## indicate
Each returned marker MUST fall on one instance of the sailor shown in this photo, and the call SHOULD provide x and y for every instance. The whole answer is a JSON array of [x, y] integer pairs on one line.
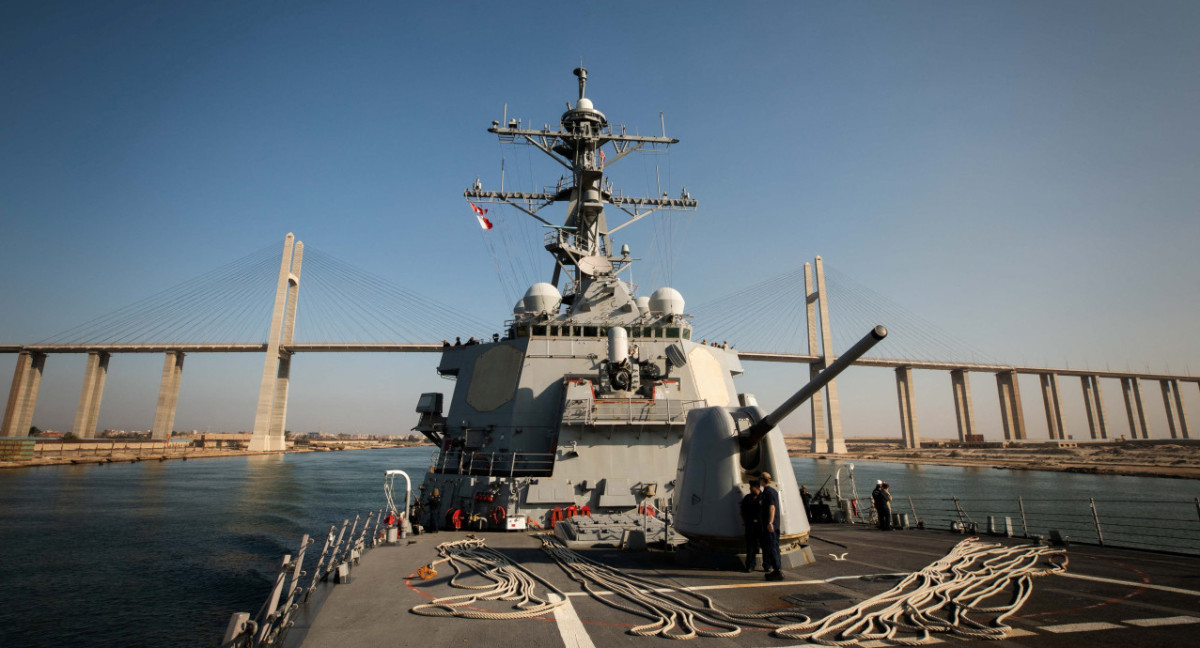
[[458, 341], [806, 497], [752, 520], [434, 503], [772, 561], [881, 499]]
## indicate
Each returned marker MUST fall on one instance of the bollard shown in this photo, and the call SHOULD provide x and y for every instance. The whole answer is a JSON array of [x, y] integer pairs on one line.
[[1008, 528]]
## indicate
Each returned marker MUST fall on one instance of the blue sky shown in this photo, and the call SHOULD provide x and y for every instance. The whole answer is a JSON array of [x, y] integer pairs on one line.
[[1025, 175]]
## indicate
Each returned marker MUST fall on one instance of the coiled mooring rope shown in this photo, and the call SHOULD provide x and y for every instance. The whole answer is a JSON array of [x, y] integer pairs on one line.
[[509, 582], [955, 586], [675, 612], [941, 598]]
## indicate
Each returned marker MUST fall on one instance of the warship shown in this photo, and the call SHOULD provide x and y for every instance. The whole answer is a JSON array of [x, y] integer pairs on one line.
[[575, 419], [585, 487]]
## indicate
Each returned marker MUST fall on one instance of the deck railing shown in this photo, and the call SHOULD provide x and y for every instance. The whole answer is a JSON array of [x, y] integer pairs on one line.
[[1158, 524]]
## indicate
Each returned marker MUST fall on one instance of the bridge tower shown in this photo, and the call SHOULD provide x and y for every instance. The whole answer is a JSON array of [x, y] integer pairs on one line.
[[271, 415]]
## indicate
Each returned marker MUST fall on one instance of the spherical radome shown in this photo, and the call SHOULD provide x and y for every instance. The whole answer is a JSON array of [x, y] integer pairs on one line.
[[542, 297], [667, 301]]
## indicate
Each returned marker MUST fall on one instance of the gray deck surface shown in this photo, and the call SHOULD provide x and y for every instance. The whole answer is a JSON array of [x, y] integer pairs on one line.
[[1154, 601]]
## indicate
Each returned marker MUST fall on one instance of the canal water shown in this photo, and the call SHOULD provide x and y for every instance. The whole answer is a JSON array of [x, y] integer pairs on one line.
[[161, 553]]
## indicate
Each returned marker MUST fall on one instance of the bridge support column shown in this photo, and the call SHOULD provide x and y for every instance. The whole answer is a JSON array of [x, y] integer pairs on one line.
[[168, 396], [1183, 422], [1054, 422], [271, 413], [908, 413], [22, 395], [964, 409], [87, 413], [1174, 407], [1132, 389], [837, 444], [1093, 404], [820, 444], [1011, 413]]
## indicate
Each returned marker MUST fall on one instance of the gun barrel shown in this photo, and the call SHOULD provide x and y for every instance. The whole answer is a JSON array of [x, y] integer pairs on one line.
[[759, 430]]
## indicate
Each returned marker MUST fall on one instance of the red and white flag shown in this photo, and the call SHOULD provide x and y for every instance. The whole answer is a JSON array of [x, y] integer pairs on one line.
[[483, 222], [479, 210]]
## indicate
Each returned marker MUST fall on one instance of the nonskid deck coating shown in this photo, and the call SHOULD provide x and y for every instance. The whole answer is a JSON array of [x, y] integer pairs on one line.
[[1107, 597]]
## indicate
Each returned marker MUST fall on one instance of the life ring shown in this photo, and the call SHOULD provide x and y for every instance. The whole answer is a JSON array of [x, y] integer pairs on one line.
[[454, 519], [498, 515]]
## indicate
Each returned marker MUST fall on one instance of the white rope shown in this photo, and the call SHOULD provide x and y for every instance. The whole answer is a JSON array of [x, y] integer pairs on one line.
[[939, 598], [956, 586], [674, 612], [509, 582]]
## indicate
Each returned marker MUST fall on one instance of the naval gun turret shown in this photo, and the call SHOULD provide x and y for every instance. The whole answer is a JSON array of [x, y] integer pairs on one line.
[[725, 447]]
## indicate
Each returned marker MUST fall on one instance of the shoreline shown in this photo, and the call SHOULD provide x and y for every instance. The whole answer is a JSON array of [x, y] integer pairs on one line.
[[186, 455], [1172, 461]]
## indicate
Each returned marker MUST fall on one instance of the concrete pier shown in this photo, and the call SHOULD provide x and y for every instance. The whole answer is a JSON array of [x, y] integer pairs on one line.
[[1054, 421], [837, 444], [87, 413], [1011, 413], [1093, 404], [22, 395], [964, 409], [271, 413], [1173, 404], [168, 396], [908, 413], [1131, 388], [820, 443]]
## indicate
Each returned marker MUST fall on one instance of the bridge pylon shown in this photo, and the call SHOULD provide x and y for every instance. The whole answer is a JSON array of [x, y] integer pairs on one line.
[[270, 417]]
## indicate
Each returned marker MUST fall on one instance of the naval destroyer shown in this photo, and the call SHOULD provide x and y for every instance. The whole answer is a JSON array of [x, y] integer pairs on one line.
[[575, 418]]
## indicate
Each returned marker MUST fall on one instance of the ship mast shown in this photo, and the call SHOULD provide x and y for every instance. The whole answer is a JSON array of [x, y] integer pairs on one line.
[[581, 246]]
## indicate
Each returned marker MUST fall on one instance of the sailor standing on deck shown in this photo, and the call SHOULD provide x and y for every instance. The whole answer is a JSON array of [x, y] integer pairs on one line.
[[752, 520], [772, 561]]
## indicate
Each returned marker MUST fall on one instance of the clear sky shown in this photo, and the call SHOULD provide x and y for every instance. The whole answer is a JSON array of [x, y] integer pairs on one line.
[[1023, 175]]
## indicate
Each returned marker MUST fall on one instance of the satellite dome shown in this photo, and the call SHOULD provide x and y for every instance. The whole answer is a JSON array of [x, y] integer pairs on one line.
[[667, 301], [519, 308], [541, 297], [643, 304], [584, 104]]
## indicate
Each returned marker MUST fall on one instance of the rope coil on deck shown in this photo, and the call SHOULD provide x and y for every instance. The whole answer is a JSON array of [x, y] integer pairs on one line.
[[675, 612], [509, 582], [956, 586]]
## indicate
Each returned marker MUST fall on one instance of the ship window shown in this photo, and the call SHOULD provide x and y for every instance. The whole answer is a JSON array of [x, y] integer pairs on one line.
[[658, 332], [687, 334], [589, 331], [635, 332], [539, 330], [673, 332], [522, 331], [554, 330]]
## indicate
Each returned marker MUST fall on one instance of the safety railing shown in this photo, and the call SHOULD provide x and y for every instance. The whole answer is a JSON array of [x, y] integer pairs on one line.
[[1158, 524], [629, 411], [343, 548], [492, 464]]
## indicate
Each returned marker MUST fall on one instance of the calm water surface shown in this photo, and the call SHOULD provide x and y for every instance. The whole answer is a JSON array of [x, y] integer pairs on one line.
[[157, 554]]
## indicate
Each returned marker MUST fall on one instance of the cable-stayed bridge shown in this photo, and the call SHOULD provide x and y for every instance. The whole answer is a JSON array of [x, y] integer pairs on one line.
[[347, 310]]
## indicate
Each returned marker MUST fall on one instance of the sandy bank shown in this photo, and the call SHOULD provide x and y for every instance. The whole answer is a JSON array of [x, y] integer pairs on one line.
[[1143, 459]]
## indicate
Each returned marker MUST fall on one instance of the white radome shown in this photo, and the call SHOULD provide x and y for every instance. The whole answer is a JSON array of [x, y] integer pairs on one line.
[[542, 298], [643, 304], [667, 301]]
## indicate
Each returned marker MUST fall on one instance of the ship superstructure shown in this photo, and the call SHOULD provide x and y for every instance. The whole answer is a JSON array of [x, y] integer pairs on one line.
[[583, 401]]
